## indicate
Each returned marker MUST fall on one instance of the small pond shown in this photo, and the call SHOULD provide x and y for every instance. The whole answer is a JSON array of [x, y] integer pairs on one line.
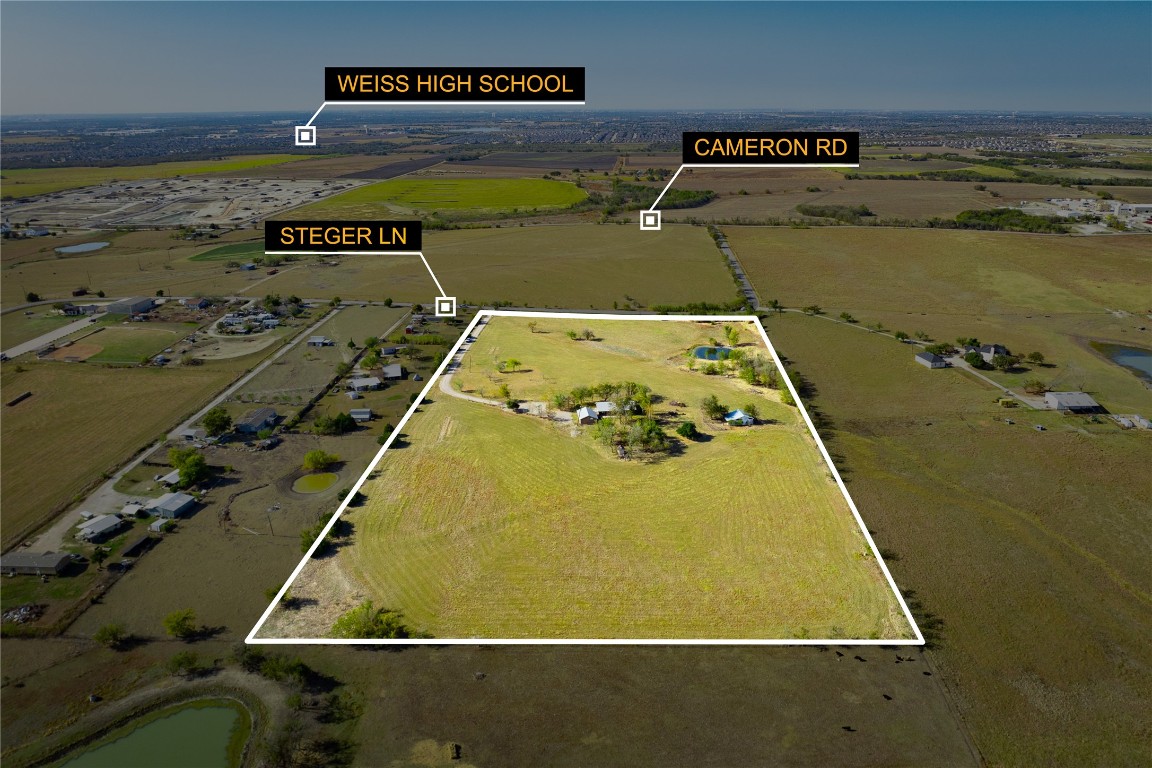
[[1135, 359], [201, 735], [713, 353], [82, 248], [315, 482]]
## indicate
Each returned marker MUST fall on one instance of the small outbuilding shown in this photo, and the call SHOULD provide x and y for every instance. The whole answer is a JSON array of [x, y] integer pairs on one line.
[[1072, 402], [320, 341], [738, 418], [929, 360], [393, 371], [586, 415], [361, 414]]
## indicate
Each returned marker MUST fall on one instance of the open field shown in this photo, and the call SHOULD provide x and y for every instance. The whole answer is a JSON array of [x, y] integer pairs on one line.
[[540, 531], [1027, 547], [232, 251], [26, 182], [131, 344], [1051, 294], [545, 161], [74, 427], [428, 195], [574, 266], [18, 327]]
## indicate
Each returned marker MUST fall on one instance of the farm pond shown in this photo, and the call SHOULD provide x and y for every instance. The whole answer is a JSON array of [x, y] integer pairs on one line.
[[1135, 359], [315, 482], [713, 353], [202, 734], [82, 247]]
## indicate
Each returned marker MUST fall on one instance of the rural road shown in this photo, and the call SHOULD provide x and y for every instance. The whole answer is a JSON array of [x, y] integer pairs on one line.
[[734, 261]]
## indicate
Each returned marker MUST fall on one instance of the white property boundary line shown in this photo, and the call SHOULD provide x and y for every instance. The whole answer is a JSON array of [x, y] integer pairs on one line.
[[489, 313]]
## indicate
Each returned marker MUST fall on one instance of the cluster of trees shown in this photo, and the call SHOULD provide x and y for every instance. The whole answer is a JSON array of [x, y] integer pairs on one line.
[[849, 214], [635, 433], [317, 460], [627, 395], [629, 197], [192, 465], [339, 424], [735, 306], [1011, 220], [366, 621], [585, 335], [217, 421]]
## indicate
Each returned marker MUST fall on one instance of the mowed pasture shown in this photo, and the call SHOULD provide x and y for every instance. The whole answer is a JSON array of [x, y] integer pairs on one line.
[[26, 182], [1028, 548], [73, 427], [538, 530], [544, 161], [568, 266], [426, 195]]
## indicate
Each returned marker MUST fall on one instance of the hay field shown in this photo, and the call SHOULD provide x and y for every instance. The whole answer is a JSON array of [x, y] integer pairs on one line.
[[73, 427], [538, 532], [26, 182], [1028, 547], [426, 195], [572, 266]]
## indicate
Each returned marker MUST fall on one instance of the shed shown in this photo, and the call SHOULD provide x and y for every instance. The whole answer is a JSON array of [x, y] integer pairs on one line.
[[138, 547], [586, 415], [193, 434], [132, 306], [738, 418], [172, 505], [43, 564], [1072, 402], [604, 408], [131, 509], [361, 414], [160, 525], [929, 360], [393, 371], [172, 478], [320, 341]]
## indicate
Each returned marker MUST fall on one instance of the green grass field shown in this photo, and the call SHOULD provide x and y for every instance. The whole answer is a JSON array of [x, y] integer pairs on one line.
[[430, 194], [26, 182], [237, 251], [133, 344], [539, 531]]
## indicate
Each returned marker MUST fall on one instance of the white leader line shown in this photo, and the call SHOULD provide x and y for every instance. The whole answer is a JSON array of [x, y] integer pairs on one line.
[[746, 165]]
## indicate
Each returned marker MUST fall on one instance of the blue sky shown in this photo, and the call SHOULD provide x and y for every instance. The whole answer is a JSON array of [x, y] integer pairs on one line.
[[102, 57]]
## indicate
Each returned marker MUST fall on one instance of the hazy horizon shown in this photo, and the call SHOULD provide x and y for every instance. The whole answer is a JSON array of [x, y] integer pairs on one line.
[[116, 58]]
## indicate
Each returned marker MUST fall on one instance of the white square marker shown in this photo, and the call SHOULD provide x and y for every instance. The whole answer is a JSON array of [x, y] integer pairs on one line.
[[305, 136], [650, 220], [445, 306]]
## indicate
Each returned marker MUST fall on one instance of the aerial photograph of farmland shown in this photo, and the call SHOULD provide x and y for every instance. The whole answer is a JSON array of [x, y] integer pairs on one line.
[[605, 474], [632, 460]]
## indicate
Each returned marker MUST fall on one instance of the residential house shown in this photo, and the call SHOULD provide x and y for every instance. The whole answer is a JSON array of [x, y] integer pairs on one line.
[[364, 384], [257, 420], [361, 414]]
